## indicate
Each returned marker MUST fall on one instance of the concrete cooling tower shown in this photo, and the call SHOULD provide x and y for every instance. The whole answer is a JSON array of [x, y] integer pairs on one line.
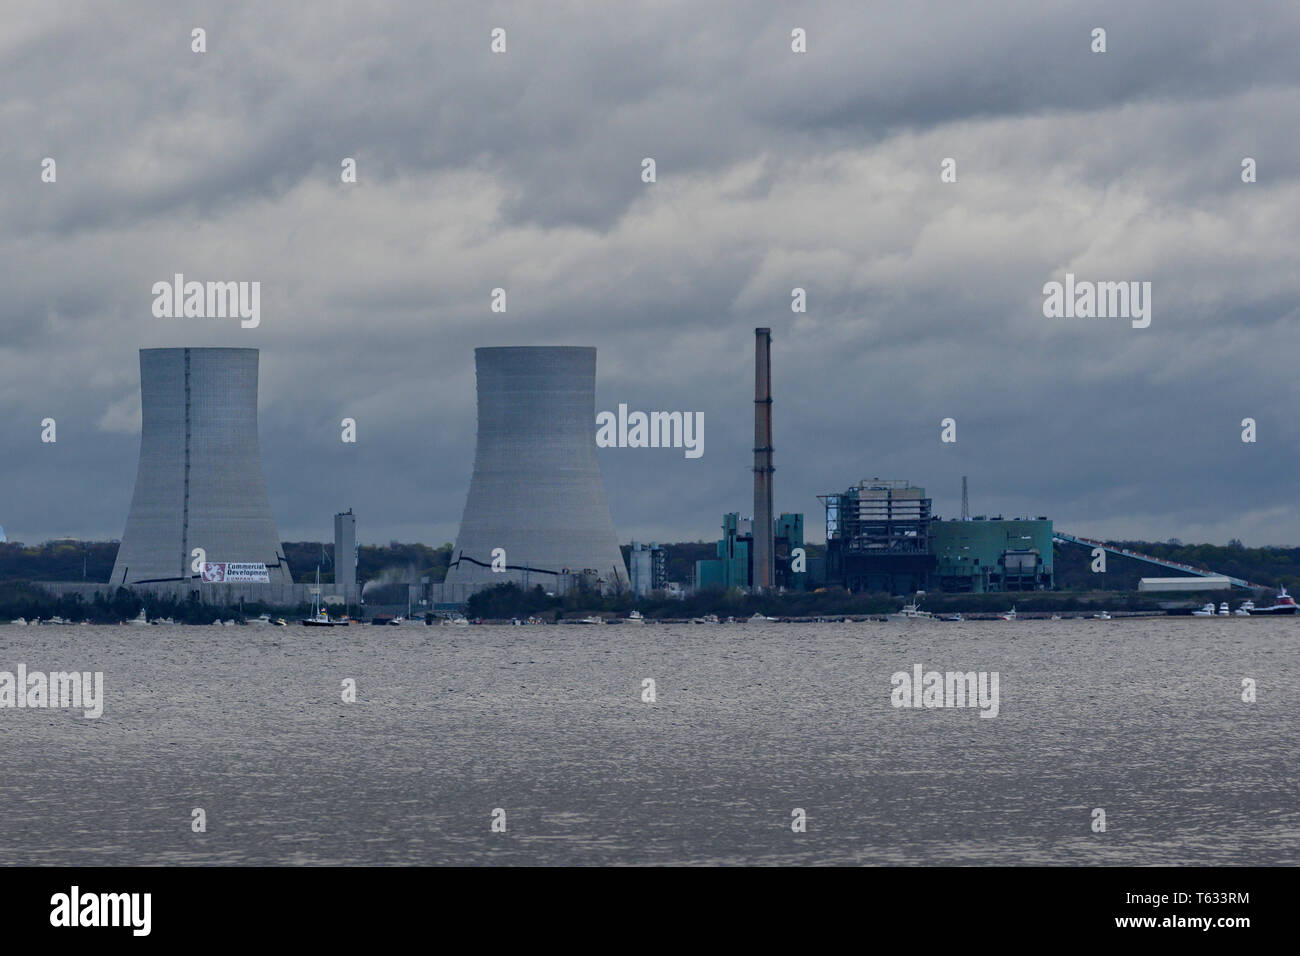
[[536, 491], [199, 483]]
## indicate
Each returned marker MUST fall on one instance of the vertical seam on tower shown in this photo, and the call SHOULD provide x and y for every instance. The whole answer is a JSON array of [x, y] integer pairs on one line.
[[185, 504]]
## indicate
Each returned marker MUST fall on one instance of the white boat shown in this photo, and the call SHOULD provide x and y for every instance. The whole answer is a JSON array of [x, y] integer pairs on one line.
[[757, 618], [458, 620], [1102, 616], [1223, 609], [590, 619], [955, 618], [1008, 615], [1056, 617], [19, 621], [707, 619], [1246, 607], [1205, 611], [911, 611], [318, 616], [634, 617]]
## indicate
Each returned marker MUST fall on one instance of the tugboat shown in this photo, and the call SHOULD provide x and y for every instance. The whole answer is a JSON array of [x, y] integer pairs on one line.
[[1285, 605]]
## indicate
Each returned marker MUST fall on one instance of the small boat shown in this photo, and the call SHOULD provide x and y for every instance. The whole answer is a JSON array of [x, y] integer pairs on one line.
[[318, 616], [1285, 604], [634, 617], [955, 618], [1223, 609], [19, 621], [759, 618], [706, 619], [1102, 616], [1008, 615], [911, 611], [1246, 607], [590, 619], [1205, 611], [1056, 617]]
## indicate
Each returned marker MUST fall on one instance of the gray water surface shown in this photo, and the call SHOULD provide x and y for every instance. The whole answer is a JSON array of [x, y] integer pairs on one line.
[[1143, 718]]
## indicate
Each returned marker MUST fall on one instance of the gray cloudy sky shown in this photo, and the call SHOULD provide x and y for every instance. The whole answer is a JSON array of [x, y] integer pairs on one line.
[[775, 170]]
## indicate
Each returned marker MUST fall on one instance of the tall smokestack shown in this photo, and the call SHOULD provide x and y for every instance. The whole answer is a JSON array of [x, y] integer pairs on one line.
[[763, 531]]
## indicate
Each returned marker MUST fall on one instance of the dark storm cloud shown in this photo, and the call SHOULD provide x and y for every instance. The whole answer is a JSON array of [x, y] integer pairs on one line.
[[775, 170]]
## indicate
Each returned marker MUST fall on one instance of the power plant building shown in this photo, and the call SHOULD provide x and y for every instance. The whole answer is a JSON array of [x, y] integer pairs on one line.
[[881, 536], [536, 510], [878, 537], [734, 565], [993, 554], [199, 483], [647, 565]]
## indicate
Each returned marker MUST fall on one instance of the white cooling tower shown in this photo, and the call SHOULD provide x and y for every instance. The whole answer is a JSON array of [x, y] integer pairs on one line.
[[536, 492], [199, 482]]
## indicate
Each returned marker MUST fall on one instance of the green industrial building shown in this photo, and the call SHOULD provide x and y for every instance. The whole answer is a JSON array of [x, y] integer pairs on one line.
[[881, 536], [734, 565], [993, 554]]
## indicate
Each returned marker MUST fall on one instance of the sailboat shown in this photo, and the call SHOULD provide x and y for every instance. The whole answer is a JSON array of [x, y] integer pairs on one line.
[[318, 616]]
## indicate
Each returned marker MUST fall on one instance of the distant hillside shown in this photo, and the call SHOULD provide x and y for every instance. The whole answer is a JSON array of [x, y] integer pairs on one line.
[[1270, 566]]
